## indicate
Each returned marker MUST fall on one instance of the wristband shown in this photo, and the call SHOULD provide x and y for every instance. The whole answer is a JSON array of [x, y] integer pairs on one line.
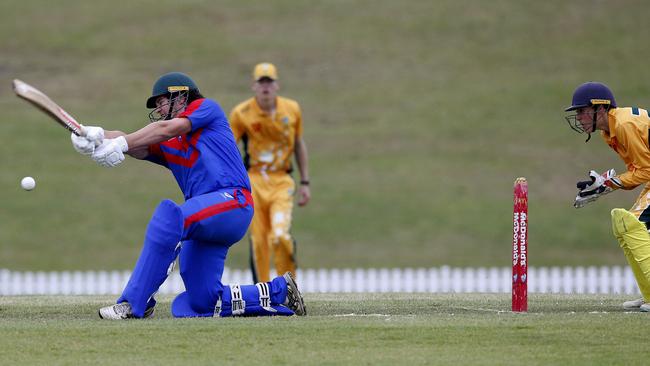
[[304, 182]]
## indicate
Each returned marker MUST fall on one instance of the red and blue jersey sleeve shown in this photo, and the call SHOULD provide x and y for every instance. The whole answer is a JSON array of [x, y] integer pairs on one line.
[[156, 155], [203, 112]]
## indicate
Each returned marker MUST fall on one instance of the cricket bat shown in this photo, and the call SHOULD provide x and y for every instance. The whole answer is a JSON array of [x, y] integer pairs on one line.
[[41, 101]]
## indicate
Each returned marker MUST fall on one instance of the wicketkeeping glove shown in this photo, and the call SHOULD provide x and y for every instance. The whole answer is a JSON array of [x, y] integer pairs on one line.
[[596, 186], [111, 152]]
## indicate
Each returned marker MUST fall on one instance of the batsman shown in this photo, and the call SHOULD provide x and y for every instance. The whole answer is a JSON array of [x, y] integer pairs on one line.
[[190, 136], [626, 131]]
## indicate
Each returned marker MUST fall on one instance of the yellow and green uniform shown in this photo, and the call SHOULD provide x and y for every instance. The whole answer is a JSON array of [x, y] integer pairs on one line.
[[269, 142], [628, 136]]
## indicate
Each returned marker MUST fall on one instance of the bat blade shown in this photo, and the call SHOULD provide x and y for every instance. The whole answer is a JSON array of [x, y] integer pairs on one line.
[[41, 101]]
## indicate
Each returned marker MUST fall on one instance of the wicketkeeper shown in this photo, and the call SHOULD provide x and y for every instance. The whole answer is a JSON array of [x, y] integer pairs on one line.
[[625, 130], [190, 136]]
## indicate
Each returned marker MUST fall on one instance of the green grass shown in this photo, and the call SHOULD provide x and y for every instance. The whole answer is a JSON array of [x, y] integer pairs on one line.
[[444, 329], [418, 116]]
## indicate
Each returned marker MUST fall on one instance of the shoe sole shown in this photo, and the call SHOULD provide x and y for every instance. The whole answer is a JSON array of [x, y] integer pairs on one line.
[[293, 287], [633, 305], [149, 313]]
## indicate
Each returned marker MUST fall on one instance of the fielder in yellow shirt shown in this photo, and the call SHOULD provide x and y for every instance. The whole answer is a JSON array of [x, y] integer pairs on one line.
[[625, 130], [270, 127]]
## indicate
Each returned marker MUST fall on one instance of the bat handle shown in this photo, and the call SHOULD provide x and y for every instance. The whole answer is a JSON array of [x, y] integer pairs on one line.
[[82, 130]]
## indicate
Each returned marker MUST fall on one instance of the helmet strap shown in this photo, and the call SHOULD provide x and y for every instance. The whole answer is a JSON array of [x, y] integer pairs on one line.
[[593, 126]]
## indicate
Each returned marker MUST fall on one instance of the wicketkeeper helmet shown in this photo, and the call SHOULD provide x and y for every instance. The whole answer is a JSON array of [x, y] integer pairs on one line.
[[590, 94]]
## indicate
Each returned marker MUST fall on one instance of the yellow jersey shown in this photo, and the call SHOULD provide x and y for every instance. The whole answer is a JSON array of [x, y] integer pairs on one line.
[[628, 136], [268, 140]]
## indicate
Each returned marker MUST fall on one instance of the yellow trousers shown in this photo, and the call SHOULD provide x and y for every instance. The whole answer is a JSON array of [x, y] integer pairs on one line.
[[269, 231], [633, 237]]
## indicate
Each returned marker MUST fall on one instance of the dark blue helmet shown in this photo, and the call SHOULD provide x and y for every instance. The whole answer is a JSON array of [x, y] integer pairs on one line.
[[592, 93], [170, 83]]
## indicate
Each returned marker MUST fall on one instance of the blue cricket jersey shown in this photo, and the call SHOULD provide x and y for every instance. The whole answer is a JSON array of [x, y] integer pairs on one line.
[[207, 158]]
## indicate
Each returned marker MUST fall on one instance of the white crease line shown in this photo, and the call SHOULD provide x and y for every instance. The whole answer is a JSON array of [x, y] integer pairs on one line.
[[481, 309]]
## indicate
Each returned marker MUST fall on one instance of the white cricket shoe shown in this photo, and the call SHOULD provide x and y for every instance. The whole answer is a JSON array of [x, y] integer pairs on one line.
[[122, 311], [634, 304], [294, 297], [645, 308]]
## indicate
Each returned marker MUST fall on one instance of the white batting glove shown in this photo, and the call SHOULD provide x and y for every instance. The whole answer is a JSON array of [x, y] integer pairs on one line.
[[82, 145], [94, 134], [111, 152], [598, 185]]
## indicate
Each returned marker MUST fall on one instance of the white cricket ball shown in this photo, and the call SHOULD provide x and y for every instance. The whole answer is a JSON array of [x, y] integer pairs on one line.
[[28, 183]]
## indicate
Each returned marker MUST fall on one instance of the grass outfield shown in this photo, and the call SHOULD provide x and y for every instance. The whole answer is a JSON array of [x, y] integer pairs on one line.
[[418, 116], [452, 329]]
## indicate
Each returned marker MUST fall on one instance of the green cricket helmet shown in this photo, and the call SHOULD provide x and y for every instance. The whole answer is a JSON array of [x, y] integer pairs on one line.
[[170, 83]]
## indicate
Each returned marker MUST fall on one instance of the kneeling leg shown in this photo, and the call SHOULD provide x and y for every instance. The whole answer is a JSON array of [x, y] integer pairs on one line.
[[201, 269]]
